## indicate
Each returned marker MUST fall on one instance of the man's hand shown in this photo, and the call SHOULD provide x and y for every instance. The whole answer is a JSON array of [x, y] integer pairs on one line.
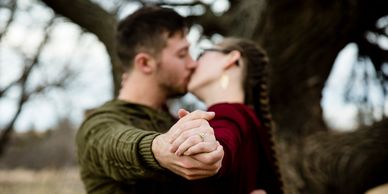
[[195, 166]]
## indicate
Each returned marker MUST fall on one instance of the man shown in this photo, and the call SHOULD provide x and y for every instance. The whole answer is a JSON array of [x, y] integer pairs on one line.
[[124, 146]]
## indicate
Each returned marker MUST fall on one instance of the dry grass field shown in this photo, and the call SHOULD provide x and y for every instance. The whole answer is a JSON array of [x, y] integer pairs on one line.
[[62, 181], [47, 181]]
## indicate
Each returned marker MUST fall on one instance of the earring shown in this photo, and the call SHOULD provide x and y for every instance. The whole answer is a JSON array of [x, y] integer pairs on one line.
[[224, 81]]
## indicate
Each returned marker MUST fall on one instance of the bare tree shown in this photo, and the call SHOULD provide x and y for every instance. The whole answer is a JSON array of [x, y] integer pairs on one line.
[[29, 64]]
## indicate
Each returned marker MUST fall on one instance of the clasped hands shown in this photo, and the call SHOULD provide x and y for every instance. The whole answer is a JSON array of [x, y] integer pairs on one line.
[[189, 148]]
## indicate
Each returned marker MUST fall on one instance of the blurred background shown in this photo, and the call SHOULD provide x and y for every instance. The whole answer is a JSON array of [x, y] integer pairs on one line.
[[328, 84]]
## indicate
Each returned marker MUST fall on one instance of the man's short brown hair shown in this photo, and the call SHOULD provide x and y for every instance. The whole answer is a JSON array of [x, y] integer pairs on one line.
[[147, 30]]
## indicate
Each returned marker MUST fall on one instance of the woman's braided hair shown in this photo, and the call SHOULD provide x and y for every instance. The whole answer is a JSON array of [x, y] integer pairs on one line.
[[255, 85], [255, 75]]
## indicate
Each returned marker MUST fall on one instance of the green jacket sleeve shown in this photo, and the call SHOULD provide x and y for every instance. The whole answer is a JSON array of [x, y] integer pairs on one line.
[[109, 147]]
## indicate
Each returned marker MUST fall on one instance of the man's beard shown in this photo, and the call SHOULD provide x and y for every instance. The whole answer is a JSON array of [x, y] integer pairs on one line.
[[168, 84], [173, 91]]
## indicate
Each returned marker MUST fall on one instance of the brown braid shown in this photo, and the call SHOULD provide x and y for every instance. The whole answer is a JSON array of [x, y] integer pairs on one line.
[[255, 85]]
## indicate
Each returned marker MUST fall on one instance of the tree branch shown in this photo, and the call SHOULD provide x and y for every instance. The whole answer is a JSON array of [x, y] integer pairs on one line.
[[12, 8], [10, 85], [349, 162], [96, 20], [6, 132]]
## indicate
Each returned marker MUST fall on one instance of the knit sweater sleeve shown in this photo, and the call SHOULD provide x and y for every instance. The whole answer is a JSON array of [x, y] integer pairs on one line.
[[110, 148]]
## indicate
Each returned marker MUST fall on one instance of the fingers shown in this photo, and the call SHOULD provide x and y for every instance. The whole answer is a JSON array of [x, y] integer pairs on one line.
[[187, 126], [182, 112], [192, 137], [196, 166], [214, 157], [194, 174], [203, 147], [199, 114], [192, 169], [189, 142]]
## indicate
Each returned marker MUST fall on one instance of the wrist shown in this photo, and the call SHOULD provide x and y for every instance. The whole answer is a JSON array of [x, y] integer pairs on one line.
[[147, 152], [156, 146]]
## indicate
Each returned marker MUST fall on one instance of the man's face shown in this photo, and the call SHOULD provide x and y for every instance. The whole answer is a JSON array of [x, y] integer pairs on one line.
[[175, 66]]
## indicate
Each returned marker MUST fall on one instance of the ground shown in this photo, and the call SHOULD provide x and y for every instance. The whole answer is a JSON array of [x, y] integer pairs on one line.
[[47, 181]]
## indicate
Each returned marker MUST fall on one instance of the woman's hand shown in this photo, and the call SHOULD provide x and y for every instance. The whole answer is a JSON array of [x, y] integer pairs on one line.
[[193, 137], [190, 167]]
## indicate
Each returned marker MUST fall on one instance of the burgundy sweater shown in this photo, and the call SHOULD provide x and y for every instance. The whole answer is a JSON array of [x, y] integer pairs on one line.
[[248, 162]]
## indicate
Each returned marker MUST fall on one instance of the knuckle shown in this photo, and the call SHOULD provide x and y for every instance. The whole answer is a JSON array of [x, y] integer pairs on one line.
[[176, 143], [173, 147]]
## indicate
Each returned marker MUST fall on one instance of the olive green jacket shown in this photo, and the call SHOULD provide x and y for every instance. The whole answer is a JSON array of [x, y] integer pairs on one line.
[[114, 148]]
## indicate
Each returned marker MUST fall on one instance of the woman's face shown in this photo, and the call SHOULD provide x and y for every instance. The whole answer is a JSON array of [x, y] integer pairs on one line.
[[210, 68]]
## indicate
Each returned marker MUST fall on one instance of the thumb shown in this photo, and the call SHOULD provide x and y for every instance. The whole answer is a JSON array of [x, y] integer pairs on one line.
[[182, 112]]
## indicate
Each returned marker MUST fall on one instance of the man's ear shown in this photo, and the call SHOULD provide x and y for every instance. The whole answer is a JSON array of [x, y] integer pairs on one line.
[[232, 58], [144, 62]]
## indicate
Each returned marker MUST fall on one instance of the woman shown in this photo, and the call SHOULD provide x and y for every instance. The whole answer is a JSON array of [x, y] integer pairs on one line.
[[231, 80]]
